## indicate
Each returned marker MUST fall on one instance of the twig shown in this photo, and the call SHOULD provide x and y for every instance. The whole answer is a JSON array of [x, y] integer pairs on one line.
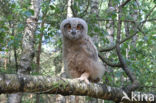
[[74, 11], [123, 4], [148, 15], [108, 62], [83, 13], [122, 41]]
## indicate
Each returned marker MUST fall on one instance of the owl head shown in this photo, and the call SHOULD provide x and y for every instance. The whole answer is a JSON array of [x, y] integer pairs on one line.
[[74, 28]]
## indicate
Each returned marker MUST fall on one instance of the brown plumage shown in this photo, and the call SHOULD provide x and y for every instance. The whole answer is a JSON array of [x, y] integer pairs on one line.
[[79, 53]]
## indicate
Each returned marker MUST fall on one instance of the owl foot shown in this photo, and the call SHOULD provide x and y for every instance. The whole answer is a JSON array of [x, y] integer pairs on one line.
[[84, 77]]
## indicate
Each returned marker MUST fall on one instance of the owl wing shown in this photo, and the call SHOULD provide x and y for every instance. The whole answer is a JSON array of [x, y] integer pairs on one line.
[[90, 49]]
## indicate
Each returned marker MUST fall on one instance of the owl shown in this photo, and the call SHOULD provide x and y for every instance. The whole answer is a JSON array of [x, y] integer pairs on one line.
[[80, 56]]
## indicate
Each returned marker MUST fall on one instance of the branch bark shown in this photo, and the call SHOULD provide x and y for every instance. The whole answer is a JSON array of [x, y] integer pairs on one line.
[[132, 77], [11, 83]]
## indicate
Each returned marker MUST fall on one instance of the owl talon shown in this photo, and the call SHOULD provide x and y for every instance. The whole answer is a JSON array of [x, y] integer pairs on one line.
[[84, 79]]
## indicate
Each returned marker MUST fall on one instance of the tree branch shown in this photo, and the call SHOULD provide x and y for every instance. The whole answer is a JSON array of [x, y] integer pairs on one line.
[[12, 83], [132, 77], [108, 62], [101, 19], [122, 41]]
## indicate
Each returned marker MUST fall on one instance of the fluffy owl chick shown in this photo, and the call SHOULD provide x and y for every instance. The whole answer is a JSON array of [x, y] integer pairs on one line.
[[80, 55]]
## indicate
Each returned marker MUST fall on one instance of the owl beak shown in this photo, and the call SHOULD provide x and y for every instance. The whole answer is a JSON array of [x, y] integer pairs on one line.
[[73, 32]]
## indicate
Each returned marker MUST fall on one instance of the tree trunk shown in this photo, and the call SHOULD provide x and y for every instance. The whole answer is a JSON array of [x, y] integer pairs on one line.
[[6, 60], [14, 46], [69, 10], [94, 10], [131, 26], [110, 25], [94, 7], [39, 48], [28, 48]]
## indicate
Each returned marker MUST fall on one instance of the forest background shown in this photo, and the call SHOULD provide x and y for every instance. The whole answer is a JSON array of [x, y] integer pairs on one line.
[[124, 31]]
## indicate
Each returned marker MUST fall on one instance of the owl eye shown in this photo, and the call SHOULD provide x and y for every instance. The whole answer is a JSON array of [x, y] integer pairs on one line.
[[68, 26], [79, 27]]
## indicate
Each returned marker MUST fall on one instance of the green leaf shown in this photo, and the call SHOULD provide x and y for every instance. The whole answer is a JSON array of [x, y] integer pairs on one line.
[[52, 7], [13, 5], [32, 11], [145, 38], [2, 30], [29, 13], [10, 42]]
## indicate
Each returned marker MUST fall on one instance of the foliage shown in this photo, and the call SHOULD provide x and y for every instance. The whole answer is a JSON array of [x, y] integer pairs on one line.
[[141, 56]]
